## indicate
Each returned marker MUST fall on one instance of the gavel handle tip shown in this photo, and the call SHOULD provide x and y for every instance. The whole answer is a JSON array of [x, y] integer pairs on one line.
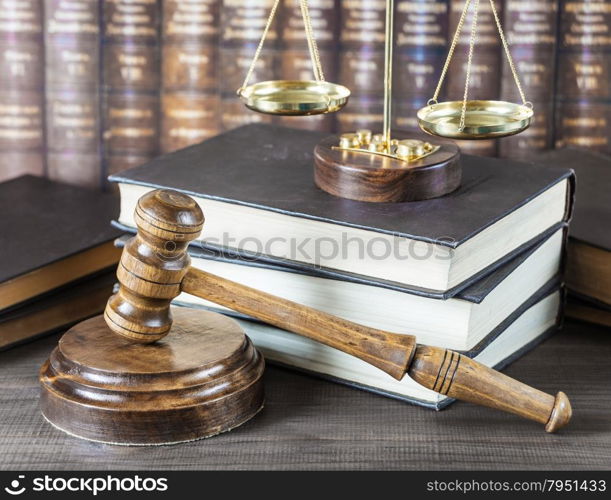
[[561, 413]]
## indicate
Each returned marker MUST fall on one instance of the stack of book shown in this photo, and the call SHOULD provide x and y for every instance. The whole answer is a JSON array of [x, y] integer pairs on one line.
[[57, 256], [588, 273], [477, 271]]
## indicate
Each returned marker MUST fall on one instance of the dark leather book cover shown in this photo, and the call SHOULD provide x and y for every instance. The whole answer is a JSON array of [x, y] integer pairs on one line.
[[56, 311], [295, 60], [583, 95], [21, 90], [43, 221], [190, 100], [130, 76], [222, 169], [591, 222], [421, 42], [531, 33], [72, 76], [361, 64], [485, 79], [242, 25]]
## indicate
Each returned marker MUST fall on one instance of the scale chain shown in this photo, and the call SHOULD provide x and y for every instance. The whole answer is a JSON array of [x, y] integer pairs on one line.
[[312, 45], [472, 41], [451, 52], [508, 54], [255, 58]]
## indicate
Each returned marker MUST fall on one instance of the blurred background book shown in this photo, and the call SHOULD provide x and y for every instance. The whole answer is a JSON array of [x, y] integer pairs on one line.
[[89, 88]]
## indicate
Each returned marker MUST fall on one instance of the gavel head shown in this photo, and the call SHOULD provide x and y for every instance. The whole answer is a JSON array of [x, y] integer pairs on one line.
[[153, 265]]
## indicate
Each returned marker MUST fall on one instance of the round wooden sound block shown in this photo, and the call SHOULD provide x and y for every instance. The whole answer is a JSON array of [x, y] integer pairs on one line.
[[376, 178], [204, 378]]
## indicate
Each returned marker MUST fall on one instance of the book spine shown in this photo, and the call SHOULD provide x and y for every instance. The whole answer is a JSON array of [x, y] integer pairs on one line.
[[190, 102], [72, 78], [361, 63], [21, 89], [242, 24], [530, 28], [421, 40], [583, 96], [130, 76], [295, 61], [485, 80]]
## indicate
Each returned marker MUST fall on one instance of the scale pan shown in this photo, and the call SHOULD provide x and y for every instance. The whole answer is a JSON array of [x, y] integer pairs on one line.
[[295, 97], [483, 119]]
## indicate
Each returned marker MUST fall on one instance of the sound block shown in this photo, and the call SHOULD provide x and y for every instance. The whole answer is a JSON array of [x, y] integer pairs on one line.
[[376, 178], [204, 378]]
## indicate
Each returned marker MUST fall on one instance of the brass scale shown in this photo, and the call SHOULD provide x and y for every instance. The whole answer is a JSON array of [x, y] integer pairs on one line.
[[465, 120]]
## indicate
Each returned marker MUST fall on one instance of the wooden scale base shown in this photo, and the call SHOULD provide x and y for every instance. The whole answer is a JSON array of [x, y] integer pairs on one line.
[[204, 378], [377, 178]]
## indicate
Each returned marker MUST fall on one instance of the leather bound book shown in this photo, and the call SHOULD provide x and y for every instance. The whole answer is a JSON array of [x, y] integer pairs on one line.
[[588, 271], [21, 90], [252, 194], [190, 100], [421, 39], [530, 28], [361, 63], [56, 311], [485, 81], [130, 82], [72, 78], [583, 95], [535, 139], [51, 235], [242, 24], [583, 310], [361, 112], [295, 61]]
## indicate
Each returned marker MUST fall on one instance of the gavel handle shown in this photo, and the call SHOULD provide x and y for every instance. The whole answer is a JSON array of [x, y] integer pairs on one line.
[[438, 369], [460, 377], [389, 352]]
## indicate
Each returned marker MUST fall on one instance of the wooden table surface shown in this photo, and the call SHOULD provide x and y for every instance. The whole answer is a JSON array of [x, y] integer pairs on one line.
[[313, 424]]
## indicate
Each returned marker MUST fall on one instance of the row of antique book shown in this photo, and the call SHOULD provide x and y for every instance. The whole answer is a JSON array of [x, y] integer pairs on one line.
[[479, 271], [90, 87]]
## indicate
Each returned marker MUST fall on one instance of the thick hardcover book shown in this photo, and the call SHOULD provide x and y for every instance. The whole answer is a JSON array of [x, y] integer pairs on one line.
[[72, 78], [584, 309], [361, 63], [421, 39], [583, 95], [295, 60], [461, 322], [56, 311], [21, 90], [242, 24], [589, 249], [131, 82], [190, 100], [51, 234], [485, 80], [510, 340], [261, 199], [530, 29]]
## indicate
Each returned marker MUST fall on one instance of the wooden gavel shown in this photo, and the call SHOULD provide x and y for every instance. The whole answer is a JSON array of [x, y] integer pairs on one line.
[[155, 268]]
